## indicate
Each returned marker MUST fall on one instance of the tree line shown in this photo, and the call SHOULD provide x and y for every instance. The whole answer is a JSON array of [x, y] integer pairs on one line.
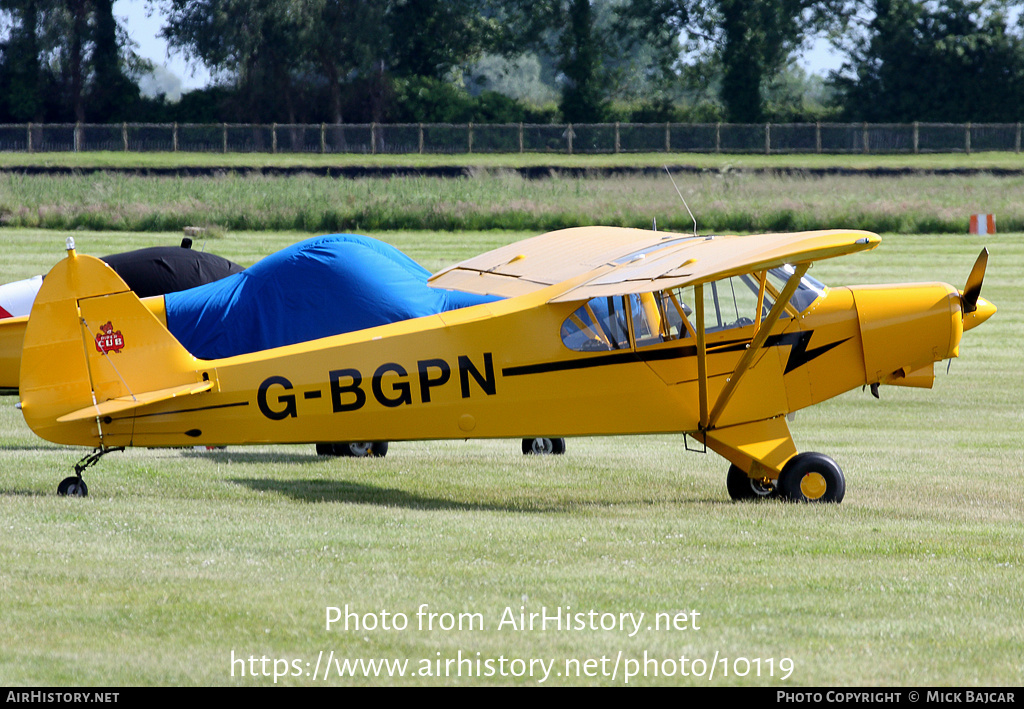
[[536, 61]]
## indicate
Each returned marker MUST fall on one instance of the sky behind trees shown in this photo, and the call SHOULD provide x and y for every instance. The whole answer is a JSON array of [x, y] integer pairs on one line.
[[144, 28], [511, 61]]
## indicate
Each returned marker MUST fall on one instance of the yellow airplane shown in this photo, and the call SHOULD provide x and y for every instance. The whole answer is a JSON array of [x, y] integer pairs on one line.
[[595, 331]]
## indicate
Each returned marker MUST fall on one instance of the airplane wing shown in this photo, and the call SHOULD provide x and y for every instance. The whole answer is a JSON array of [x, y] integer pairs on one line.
[[601, 261]]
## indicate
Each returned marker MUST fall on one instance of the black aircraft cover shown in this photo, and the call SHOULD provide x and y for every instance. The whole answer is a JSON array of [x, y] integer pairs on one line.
[[169, 269]]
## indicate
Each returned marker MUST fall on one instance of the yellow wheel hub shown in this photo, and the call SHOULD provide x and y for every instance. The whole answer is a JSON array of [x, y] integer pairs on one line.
[[813, 486]]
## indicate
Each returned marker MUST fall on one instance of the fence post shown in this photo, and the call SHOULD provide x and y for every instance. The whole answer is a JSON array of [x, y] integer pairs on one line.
[[1016, 140], [864, 138], [817, 137], [718, 137], [373, 138], [174, 137], [617, 137], [28, 132], [124, 135], [967, 137], [767, 138], [469, 137], [521, 135], [569, 134], [916, 143], [78, 137], [323, 138], [668, 137], [420, 141], [224, 137], [273, 138]]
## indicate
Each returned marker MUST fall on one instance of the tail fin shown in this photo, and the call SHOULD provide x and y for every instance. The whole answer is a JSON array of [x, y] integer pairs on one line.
[[92, 350]]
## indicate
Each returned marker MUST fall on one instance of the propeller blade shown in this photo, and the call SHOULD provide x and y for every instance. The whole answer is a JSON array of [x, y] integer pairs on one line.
[[972, 291]]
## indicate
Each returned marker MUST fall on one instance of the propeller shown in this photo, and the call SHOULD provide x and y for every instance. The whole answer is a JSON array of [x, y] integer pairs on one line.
[[972, 291]]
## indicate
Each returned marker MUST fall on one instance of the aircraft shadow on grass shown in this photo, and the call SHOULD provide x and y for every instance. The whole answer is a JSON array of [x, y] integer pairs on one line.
[[359, 493], [310, 490]]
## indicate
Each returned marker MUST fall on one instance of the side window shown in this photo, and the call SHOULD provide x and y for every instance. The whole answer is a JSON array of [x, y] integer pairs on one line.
[[600, 324], [733, 303], [660, 316], [604, 323], [728, 303]]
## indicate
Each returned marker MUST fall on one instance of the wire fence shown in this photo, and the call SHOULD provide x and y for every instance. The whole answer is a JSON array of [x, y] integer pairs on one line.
[[466, 138]]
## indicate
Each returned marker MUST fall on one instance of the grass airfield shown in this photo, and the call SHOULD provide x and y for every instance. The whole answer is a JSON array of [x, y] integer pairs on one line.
[[181, 561]]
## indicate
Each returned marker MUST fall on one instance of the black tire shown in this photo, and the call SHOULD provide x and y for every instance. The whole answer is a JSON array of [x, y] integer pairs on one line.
[[743, 487], [358, 449], [812, 477], [543, 446], [327, 449], [73, 487]]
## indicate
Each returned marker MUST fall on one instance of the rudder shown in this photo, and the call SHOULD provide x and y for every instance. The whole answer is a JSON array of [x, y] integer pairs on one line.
[[89, 340]]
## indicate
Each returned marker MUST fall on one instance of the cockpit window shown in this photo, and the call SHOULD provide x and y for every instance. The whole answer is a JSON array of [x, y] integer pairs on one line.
[[806, 293], [598, 325], [651, 318]]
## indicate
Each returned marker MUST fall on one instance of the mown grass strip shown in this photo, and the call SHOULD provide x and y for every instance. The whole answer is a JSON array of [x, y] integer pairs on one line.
[[179, 558]]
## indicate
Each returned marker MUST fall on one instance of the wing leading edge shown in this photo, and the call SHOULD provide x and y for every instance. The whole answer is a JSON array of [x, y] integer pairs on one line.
[[602, 261]]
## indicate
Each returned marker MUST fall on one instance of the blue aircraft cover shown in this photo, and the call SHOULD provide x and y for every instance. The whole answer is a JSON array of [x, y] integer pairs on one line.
[[323, 286]]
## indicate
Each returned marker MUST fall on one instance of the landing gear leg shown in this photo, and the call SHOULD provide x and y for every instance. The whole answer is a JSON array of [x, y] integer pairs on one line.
[[74, 486]]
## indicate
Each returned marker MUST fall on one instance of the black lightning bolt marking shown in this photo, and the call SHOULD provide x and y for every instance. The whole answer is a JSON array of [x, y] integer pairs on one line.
[[800, 355]]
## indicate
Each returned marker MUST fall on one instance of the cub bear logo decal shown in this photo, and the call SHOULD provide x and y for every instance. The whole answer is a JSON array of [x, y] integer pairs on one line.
[[109, 340]]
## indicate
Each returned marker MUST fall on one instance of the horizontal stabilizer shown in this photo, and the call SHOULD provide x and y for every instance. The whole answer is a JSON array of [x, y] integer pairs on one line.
[[126, 403]]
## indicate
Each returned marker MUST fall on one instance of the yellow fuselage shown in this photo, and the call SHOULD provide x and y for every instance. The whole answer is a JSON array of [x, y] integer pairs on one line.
[[502, 370]]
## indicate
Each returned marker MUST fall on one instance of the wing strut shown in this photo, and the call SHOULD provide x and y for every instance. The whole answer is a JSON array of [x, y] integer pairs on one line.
[[753, 348], [702, 356]]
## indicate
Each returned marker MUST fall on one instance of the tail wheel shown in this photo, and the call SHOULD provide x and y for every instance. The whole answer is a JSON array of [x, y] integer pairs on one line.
[[73, 487], [743, 487], [812, 477], [543, 446]]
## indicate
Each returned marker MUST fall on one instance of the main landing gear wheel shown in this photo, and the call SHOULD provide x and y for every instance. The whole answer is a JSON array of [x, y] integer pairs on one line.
[[743, 487], [812, 477], [357, 449], [73, 486], [543, 446]]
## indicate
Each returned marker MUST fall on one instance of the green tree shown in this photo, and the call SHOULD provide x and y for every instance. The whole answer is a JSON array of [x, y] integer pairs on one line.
[[21, 76], [430, 38], [112, 95], [278, 53], [753, 40], [582, 96], [65, 60], [956, 60], [586, 40], [346, 38], [259, 44]]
